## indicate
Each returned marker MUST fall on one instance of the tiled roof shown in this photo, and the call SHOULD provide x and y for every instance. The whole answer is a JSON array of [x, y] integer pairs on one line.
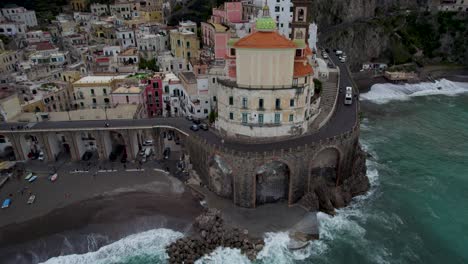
[[302, 69], [44, 46], [308, 51], [265, 40]]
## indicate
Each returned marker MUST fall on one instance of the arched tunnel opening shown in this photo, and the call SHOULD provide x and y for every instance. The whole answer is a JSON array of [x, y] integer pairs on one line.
[[272, 182]]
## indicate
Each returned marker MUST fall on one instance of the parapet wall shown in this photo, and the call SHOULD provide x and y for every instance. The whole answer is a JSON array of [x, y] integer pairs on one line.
[[237, 176]]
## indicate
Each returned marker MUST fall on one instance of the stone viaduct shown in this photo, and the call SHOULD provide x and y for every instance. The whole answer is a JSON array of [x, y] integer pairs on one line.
[[249, 174]]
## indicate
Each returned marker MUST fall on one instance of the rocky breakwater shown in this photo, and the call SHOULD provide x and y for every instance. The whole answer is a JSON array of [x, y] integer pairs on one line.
[[210, 232], [326, 195]]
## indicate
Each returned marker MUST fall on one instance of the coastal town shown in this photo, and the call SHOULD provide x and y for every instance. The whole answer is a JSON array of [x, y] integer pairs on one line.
[[242, 119]]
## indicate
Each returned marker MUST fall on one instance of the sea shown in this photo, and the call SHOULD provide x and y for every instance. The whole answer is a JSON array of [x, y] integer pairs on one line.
[[415, 212]]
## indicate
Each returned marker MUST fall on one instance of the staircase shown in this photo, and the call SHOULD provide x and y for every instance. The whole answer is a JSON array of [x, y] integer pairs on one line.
[[327, 101]]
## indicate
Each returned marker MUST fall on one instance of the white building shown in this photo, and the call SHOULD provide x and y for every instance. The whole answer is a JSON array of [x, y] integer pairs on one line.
[[151, 44], [21, 15], [194, 98], [168, 63], [38, 36], [99, 9], [454, 5], [313, 28], [126, 37], [282, 12], [172, 95], [12, 28], [123, 10]]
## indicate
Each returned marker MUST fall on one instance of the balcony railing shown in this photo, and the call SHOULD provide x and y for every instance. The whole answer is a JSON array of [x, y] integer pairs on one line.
[[234, 84]]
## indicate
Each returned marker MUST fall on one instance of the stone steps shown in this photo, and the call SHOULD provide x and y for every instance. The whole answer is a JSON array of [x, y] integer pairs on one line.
[[327, 101]]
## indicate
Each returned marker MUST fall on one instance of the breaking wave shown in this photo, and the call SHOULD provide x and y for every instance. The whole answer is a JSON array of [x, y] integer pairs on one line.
[[145, 247], [386, 92], [149, 246]]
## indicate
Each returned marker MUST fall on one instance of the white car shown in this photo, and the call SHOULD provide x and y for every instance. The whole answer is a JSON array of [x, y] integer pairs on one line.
[[325, 55], [338, 52], [148, 142], [348, 99], [41, 156], [343, 60], [349, 90]]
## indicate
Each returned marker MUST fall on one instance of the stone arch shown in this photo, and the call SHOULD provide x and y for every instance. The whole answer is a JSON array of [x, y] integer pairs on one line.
[[7, 150], [221, 176], [118, 145], [272, 182], [30, 146], [325, 165]]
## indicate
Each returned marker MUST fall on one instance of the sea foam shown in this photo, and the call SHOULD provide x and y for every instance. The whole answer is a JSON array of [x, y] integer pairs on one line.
[[150, 244], [386, 92]]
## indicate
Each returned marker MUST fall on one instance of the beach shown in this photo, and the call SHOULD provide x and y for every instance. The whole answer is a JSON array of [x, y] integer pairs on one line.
[[111, 205]]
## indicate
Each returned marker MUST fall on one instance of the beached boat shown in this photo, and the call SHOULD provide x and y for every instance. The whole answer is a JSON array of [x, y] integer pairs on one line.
[[6, 203], [3, 181], [53, 177], [33, 178], [28, 176], [31, 199]]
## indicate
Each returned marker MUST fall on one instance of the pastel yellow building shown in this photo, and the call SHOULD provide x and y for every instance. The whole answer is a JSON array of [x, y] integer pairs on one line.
[[184, 43], [36, 105], [152, 14], [79, 5]]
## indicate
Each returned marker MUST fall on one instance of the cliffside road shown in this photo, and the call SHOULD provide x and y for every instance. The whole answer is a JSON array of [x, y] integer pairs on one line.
[[342, 121]]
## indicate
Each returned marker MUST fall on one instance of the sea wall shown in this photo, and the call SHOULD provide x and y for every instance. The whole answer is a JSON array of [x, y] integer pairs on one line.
[[331, 171]]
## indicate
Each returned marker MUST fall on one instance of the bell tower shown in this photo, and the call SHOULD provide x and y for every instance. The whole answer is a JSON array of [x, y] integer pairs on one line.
[[301, 20]]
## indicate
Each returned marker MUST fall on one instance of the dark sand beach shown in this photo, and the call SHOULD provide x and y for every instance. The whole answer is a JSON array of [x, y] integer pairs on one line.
[[90, 211]]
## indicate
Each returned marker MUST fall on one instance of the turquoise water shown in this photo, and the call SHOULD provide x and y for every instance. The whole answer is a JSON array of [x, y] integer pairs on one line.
[[415, 212]]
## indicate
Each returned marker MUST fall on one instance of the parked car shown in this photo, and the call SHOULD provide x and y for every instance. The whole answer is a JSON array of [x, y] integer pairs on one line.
[[87, 155], [343, 60], [325, 55], [204, 126], [33, 178], [338, 52], [148, 142], [41, 156], [148, 152], [53, 177], [167, 153], [196, 121], [190, 118], [194, 127], [28, 176]]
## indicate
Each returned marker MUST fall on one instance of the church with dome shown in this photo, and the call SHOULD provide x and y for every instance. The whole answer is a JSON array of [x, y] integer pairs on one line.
[[268, 90]]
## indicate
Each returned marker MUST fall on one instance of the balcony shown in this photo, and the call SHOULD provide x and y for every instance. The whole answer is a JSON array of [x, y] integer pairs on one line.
[[233, 84]]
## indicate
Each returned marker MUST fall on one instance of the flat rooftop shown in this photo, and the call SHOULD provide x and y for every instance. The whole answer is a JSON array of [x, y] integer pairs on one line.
[[99, 79]]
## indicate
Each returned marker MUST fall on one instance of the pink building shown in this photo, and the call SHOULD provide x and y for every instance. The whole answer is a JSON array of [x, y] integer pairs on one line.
[[128, 95], [230, 12], [153, 95], [215, 32], [215, 37]]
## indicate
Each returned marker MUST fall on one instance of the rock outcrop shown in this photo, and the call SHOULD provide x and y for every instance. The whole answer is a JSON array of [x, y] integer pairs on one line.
[[210, 233], [326, 197]]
